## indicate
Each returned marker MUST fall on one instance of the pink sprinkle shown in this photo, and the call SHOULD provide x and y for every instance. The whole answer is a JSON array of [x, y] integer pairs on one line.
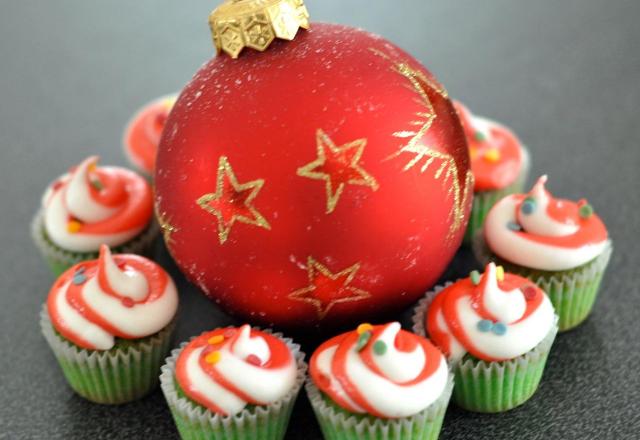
[[254, 360], [127, 302], [529, 293]]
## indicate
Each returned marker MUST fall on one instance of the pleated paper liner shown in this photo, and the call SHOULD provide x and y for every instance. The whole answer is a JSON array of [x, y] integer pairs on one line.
[[254, 422], [119, 375], [492, 387], [338, 424], [483, 201], [59, 260], [572, 292]]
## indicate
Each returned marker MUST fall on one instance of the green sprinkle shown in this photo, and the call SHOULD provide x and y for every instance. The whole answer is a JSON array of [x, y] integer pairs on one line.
[[475, 277], [363, 340], [97, 184], [586, 211], [480, 137], [379, 348]]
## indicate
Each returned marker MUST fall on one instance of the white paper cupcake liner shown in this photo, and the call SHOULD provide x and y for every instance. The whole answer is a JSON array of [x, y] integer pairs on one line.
[[572, 292], [259, 422], [338, 424], [114, 376], [60, 259]]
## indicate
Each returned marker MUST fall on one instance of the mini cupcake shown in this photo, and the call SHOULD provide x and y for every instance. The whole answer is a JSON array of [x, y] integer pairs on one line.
[[379, 382], [560, 245], [496, 330], [239, 383], [91, 206], [109, 323], [499, 163], [142, 133]]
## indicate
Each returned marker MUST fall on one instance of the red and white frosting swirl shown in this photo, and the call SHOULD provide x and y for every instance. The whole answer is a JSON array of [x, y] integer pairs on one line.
[[392, 374], [227, 369], [493, 320], [538, 231], [143, 132], [91, 206], [497, 156], [124, 296]]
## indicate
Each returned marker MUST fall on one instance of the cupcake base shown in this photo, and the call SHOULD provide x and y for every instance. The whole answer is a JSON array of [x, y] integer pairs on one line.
[[112, 377], [572, 292], [492, 387], [339, 424], [483, 201], [59, 260], [254, 422]]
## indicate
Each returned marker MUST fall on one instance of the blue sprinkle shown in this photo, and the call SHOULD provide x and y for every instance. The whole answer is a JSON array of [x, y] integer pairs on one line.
[[499, 328], [514, 226], [528, 206], [79, 277], [485, 325]]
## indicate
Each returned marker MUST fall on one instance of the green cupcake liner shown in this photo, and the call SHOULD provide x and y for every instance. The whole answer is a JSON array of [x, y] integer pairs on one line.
[[572, 292], [492, 387], [122, 374], [59, 260], [337, 423], [483, 201], [195, 422]]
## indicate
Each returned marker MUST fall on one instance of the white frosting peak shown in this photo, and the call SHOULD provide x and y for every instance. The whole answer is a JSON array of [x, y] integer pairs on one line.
[[245, 345], [508, 306], [538, 222], [397, 365], [78, 195], [127, 282]]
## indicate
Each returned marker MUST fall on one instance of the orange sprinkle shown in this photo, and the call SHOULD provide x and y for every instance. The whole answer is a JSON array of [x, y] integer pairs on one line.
[[213, 340], [500, 273], [74, 226], [492, 155], [213, 357], [92, 167], [473, 153], [364, 328]]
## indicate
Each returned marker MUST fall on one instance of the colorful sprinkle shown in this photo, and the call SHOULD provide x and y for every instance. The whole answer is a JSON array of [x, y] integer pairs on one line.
[[364, 327], [528, 206], [97, 184], [480, 137], [475, 277], [492, 155], [254, 360], [79, 278], [473, 153], [586, 211], [500, 273], [74, 226], [91, 168], [217, 339], [379, 348], [529, 293], [499, 328], [513, 226], [127, 302], [484, 325], [213, 357], [363, 340]]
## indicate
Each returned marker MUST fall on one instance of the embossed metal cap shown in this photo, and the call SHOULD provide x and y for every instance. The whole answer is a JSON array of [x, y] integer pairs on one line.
[[237, 24]]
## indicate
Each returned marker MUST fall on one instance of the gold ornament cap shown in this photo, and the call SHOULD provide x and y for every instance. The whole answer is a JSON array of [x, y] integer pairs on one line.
[[237, 24]]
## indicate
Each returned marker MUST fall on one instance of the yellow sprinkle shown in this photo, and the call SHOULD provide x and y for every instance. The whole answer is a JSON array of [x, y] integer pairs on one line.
[[92, 167], [473, 153], [74, 226], [500, 273], [492, 155], [364, 327], [213, 357], [213, 340]]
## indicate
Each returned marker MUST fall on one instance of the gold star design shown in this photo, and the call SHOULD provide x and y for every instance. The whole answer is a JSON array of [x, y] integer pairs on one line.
[[327, 289], [338, 166], [233, 201], [167, 228]]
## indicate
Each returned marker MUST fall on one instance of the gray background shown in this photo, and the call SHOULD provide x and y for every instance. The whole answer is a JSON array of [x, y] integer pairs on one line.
[[565, 75]]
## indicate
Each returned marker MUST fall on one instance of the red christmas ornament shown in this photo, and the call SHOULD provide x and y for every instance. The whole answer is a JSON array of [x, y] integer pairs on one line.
[[325, 180]]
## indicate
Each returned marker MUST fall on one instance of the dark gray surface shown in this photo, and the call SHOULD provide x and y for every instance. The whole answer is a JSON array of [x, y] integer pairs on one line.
[[565, 75]]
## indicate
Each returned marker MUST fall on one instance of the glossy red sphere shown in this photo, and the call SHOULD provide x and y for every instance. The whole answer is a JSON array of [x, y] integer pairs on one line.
[[324, 180]]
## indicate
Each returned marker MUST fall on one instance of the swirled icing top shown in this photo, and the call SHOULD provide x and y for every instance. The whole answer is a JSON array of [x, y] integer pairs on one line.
[[380, 370], [142, 133], [226, 369], [92, 205], [538, 231], [497, 157], [124, 296], [495, 316]]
